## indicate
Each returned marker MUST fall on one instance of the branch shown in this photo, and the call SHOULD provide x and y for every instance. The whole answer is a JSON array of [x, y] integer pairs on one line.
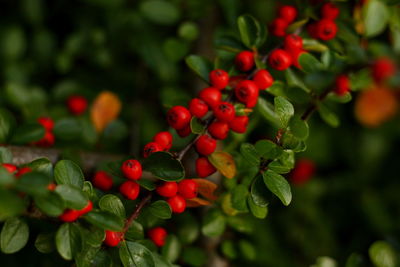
[[136, 212]]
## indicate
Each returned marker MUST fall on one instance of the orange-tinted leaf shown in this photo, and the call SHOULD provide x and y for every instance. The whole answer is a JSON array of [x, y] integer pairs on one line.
[[206, 189], [105, 108], [196, 202], [224, 163]]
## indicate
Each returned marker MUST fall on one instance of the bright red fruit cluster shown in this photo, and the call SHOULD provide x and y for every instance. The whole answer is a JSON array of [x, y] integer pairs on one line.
[[48, 138], [281, 59], [71, 215], [287, 14], [132, 170], [161, 142], [325, 29]]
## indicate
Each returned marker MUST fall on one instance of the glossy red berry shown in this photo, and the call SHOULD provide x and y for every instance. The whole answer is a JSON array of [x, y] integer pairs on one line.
[[205, 145], [330, 11], [47, 123], [177, 204], [247, 93], [77, 104], [278, 27], [303, 171], [263, 79], [69, 215], [198, 108], [167, 189], [219, 130], [102, 181], [224, 111], [158, 235], [204, 168], [342, 85], [288, 13], [88, 208], [219, 78], [244, 61], [23, 171], [279, 59], [185, 131], [113, 238], [151, 148], [11, 168], [188, 188], [178, 117], [382, 69], [326, 29], [293, 42], [211, 96], [164, 139], [47, 140], [239, 124], [132, 169], [130, 190]]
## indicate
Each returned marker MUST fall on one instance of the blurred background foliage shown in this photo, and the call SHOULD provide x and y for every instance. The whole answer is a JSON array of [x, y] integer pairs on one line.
[[52, 49]]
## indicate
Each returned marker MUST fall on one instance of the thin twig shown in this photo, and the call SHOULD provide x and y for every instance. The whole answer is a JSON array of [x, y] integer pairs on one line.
[[136, 212]]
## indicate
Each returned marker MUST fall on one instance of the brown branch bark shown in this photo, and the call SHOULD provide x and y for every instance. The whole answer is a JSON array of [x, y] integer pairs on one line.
[[137, 211]]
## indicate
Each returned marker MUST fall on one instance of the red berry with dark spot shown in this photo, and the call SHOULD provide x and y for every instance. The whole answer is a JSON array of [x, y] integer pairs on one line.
[[288, 13], [198, 108], [11, 168], [158, 235], [326, 29], [130, 190], [102, 181], [293, 42], [382, 69], [188, 188], [204, 168], [69, 215], [178, 117], [303, 171], [278, 27], [219, 78], [23, 171], [342, 85], [177, 204], [263, 79], [330, 11], [77, 104], [132, 169], [279, 59], [167, 189], [47, 123], [247, 93], [205, 145], [164, 140], [244, 61], [219, 130], [239, 124], [185, 131], [211, 96], [88, 208], [224, 111], [151, 148], [113, 238]]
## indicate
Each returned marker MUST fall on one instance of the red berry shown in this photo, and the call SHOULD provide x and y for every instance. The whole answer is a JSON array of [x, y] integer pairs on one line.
[[295, 54], [206, 145], [47, 123], [167, 189], [130, 190], [303, 171], [177, 204], [224, 111], [342, 85], [219, 79], [51, 187], [329, 11], [239, 124], [151, 148], [204, 168], [102, 181], [69, 215], [382, 69], [164, 139], [312, 30], [86, 209], [23, 171], [198, 108], [113, 238], [234, 80], [9, 167], [211, 96], [244, 61], [158, 236], [132, 169], [185, 131], [293, 42], [279, 59], [263, 79], [77, 104], [178, 117], [187, 188], [47, 141], [219, 130], [278, 27], [288, 13], [247, 93], [326, 29]]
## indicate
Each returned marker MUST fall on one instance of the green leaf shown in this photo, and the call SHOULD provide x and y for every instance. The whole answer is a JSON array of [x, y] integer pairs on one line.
[[34, 183], [7, 123], [188, 228], [51, 204], [360, 80], [113, 204], [375, 17], [250, 153], [257, 211], [6, 178], [247, 249], [43, 165], [299, 128], [67, 129], [259, 192], [213, 223], [68, 240], [194, 256], [266, 109], [294, 81], [196, 126], [284, 110], [200, 65], [229, 43], [105, 220], [45, 242], [382, 254], [252, 33], [147, 184], [135, 232], [14, 235], [238, 197], [161, 209], [160, 12], [164, 166], [135, 254], [10, 204], [5, 155], [172, 248], [28, 133], [268, 149], [278, 185], [309, 63], [68, 172], [73, 197], [328, 116], [241, 224], [228, 249]]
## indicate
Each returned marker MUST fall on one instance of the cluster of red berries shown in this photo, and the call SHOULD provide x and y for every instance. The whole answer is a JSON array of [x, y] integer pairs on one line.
[[14, 170], [77, 104], [177, 193], [302, 172], [48, 138], [282, 58], [162, 141], [132, 170], [71, 215], [325, 29], [286, 15]]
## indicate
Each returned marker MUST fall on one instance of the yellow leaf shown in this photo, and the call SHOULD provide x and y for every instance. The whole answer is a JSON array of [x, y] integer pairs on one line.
[[196, 202], [206, 188], [224, 163], [105, 109]]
